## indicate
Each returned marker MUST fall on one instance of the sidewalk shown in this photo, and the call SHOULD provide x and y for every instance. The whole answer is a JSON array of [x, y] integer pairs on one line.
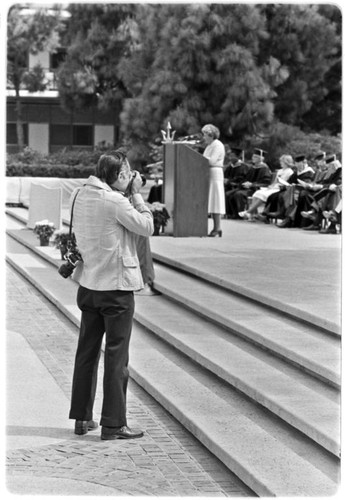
[[44, 456]]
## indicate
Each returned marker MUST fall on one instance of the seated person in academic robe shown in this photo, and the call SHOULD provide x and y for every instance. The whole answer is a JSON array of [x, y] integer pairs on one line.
[[325, 169], [287, 202], [234, 175], [155, 193], [259, 175], [332, 219], [326, 200], [261, 195]]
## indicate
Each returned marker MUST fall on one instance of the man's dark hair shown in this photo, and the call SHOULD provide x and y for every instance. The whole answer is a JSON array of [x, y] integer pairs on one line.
[[109, 166]]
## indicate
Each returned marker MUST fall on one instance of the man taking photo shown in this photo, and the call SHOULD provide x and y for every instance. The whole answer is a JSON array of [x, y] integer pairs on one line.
[[105, 225]]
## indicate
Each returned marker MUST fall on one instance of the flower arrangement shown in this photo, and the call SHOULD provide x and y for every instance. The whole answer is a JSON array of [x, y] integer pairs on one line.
[[44, 230], [63, 241], [160, 215]]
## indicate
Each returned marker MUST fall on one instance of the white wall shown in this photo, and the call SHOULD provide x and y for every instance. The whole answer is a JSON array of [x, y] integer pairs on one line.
[[41, 58], [104, 133], [39, 137]]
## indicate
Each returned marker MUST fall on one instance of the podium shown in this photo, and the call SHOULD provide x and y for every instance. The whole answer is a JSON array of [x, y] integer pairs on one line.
[[185, 190]]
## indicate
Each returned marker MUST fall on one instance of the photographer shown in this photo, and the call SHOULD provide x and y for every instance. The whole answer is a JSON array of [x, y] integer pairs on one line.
[[106, 224]]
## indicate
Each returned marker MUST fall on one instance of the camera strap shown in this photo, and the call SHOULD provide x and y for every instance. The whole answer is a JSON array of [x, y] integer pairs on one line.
[[71, 219]]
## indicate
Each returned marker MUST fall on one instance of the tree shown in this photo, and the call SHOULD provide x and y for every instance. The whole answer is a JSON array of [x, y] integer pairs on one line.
[[306, 41], [29, 32], [244, 67], [326, 114], [197, 64], [97, 38]]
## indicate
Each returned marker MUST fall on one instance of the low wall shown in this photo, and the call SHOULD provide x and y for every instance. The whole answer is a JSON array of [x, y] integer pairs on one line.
[[18, 188]]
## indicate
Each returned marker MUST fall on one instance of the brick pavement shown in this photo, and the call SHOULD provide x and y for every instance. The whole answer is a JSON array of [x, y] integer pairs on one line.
[[167, 461]]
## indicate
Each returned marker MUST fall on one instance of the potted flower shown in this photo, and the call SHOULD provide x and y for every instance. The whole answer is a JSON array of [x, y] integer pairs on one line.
[[63, 241], [44, 229], [160, 216]]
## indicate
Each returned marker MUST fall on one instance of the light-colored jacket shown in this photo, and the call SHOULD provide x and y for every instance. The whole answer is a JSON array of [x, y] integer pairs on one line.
[[215, 153], [105, 224]]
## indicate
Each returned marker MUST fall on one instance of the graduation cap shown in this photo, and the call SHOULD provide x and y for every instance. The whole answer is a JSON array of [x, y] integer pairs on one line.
[[238, 152], [331, 158], [260, 152], [299, 158], [320, 156]]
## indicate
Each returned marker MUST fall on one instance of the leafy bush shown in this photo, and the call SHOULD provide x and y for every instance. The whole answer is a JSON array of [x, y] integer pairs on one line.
[[65, 164], [284, 139], [61, 171], [287, 139]]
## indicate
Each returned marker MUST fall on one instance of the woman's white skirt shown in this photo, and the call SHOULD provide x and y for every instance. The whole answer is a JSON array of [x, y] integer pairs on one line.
[[216, 195], [264, 192]]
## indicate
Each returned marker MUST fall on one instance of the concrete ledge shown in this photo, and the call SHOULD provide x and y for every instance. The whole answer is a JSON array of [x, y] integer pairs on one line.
[[267, 300], [265, 465], [268, 328]]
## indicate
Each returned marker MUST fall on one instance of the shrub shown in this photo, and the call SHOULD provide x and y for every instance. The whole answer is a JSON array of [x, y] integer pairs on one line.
[[61, 171], [287, 139]]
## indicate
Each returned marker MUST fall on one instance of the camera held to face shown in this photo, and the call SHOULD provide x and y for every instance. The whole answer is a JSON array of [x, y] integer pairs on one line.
[[129, 187], [72, 257]]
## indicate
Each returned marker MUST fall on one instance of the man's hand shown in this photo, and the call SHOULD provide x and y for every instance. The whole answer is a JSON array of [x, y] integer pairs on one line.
[[137, 182]]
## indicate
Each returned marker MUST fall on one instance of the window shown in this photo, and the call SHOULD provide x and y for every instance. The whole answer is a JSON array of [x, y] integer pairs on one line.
[[60, 135], [71, 135], [11, 133], [57, 58], [82, 135]]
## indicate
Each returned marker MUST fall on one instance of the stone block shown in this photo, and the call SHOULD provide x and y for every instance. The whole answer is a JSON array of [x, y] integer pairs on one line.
[[45, 203]]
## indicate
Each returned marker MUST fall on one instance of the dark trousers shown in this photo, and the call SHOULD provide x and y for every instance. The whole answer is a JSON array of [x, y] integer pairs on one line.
[[145, 258], [109, 312], [236, 200]]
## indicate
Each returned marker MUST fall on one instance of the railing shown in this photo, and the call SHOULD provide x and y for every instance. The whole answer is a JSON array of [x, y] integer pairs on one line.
[[50, 80]]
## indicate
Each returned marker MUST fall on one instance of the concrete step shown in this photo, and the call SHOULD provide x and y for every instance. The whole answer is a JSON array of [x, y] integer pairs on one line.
[[300, 343], [213, 271], [310, 407], [306, 404], [259, 449], [305, 346], [216, 271], [322, 320], [264, 452]]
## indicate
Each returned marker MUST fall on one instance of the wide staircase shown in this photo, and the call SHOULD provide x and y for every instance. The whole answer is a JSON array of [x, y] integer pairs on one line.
[[258, 385]]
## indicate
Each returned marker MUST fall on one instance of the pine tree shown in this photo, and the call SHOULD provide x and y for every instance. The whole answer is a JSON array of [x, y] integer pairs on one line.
[[307, 43], [198, 66]]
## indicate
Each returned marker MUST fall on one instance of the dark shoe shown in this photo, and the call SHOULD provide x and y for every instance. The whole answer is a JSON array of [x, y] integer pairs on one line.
[[312, 227], [81, 427], [124, 432], [263, 218], [328, 230], [286, 223], [214, 233], [275, 215], [331, 216]]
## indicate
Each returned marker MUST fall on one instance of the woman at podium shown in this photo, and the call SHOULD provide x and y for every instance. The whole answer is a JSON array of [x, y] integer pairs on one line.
[[215, 153]]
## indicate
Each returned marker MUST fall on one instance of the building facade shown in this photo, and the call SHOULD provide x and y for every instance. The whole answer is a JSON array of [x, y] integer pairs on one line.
[[47, 126]]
